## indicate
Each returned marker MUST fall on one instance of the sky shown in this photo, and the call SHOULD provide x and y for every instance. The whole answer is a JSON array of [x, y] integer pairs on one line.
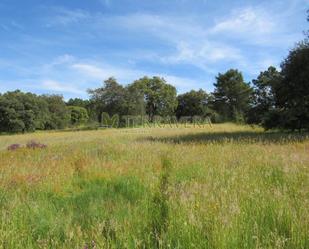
[[68, 46]]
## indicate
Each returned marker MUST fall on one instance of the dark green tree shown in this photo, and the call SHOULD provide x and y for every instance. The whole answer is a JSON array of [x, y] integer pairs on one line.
[[292, 92], [59, 116], [78, 102], [111, 98], [263, 96], [231, 96], [21, 112], [193, 103], [135, 102]]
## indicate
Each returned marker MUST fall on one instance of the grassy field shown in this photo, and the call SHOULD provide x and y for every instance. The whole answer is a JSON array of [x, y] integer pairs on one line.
[[225, 186]]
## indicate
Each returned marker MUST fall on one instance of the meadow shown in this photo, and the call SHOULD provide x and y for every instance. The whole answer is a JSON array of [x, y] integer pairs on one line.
[[225, 186]]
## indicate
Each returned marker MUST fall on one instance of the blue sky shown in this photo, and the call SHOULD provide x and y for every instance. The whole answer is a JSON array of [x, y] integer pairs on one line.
[[66, 46]]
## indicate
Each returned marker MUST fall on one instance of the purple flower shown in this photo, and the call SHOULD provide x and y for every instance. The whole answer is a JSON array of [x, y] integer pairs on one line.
[[13, 147], [35, 145]]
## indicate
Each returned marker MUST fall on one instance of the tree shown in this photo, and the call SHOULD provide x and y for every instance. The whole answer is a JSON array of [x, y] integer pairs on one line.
[[20, 112], [232, 95], [263, 96], [10, 120], [160, 97], [78, 102], [292, 92], [110, 98], [89, 105], [193, 103], [78, 115], [59, 116], [135, 103]]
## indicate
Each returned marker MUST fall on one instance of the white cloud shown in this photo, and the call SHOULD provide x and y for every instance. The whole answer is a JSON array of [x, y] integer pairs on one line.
[[193, 40], [66, 17], [247, 20], [91, 70], [198, 44], [60, 87], [128, 75], [204, 54], [248, 38], [258, 26]]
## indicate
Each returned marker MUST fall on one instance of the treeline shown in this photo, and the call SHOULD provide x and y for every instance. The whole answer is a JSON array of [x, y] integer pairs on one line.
[[275, 99]]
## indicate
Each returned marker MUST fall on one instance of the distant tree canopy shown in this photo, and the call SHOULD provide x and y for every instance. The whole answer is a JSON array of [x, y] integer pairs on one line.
[[78, 102], [263, 96], [292, 92], [151, 96], [231, 96], [110, 98], [78, 115], [160, 97], [22, 112], [193, 103]]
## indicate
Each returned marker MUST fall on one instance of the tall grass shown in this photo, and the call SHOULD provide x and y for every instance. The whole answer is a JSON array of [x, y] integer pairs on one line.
[[228, 186]]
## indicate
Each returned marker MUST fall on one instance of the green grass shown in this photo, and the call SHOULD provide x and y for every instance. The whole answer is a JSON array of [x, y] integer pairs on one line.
[[228, 186]]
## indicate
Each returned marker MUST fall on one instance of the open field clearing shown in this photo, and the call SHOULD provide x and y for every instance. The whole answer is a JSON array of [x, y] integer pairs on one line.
[[225, 186]]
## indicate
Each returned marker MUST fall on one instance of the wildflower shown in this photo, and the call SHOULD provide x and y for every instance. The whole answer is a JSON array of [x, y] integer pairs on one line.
[[35, 145], [13, 147]]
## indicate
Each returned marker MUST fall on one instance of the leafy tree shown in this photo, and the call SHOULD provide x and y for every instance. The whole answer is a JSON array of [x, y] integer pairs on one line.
[[22, 112], [263, 96], [160, 97], [89, 105], [10, 118], [231, 95], [78, 115], [193, 103], [110, 98], [78, 102], [135, 103], [292, 92], [59, 116]]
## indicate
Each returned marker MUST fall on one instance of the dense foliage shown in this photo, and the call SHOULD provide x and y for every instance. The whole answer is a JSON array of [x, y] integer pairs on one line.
[[20, 112], [232, 96]]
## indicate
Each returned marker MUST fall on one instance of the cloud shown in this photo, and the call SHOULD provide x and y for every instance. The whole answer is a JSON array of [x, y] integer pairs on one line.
[[248, 20], [189, 39], [187, 49], [258, 26], [65, 17], [199, 44], [91, 71], [60, 87], [204, 54], [128, 75]]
